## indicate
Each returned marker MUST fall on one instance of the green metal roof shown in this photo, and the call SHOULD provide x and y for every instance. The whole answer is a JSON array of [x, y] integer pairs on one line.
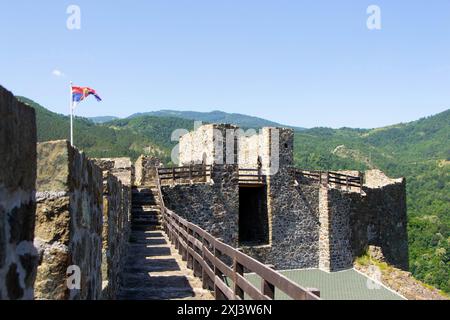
[[343, 285]]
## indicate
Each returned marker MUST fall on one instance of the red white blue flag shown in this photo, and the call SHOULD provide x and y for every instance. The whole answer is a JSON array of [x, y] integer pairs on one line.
[[80, 93]]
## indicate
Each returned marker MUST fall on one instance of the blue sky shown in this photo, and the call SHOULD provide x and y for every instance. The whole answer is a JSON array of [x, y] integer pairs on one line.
[[303, 63]]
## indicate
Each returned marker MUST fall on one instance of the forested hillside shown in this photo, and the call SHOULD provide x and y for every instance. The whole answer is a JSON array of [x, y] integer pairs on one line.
[[159, 129], [96, 140], [241, 120], [419, 150]]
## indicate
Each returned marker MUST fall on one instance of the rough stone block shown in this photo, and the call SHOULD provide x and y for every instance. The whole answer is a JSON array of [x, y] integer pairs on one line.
[[18, 258], [68, 222], [213, 206], [117, 178], [145, 168]]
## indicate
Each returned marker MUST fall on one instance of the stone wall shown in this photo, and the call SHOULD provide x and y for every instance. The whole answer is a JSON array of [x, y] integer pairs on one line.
[[212, 206], [386, 218], [18, 258], [209, 144], [113, 237], [272, 147], [292, 210], [117, 177], [309, 225], [251, 146], [335, 251], [352, 221], [124, 170], [227, 144], [294, 226], [145, 170], [68, 231]]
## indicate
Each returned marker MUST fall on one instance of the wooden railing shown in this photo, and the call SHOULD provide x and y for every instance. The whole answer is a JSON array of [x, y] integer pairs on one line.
[[185, 174], [251, 176], [214, 262], [330, 177]]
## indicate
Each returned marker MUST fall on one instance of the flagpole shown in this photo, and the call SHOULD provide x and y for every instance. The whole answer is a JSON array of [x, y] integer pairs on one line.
[[71, 115]]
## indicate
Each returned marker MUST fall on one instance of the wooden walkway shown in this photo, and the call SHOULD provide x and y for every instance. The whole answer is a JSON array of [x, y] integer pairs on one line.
[[154, 270]]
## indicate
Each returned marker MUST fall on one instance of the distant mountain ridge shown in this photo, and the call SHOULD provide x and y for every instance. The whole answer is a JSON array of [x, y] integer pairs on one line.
[[103, 119], [241, 120]]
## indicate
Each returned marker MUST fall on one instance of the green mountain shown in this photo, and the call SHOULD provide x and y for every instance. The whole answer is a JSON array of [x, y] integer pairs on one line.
[[240, 120], [419, 150], [159, 129], [96, 140], [102, 119]]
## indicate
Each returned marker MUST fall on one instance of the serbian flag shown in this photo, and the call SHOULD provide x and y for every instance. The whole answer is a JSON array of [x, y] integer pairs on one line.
[[80, 93]]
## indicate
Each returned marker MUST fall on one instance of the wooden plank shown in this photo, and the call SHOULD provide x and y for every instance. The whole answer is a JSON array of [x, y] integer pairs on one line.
[[208, 270], [208, 254], [249, 288], [314, 291], [270, 277], [237, 269], [196, 255], [195, 242], [184, 233], [268, 289], [275, 278], [225, 249], [197, 229], [182, 243], [227, 271], [209, 238], [224, 288]]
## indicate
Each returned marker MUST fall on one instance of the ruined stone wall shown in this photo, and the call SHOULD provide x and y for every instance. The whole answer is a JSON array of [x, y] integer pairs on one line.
[[209, 144], [213, 206], [68, 223], [113, 237], [294, 224], [197, 146], [310, 225], [292, 208], [145, 170], [314, 226], [18, 258], [351, 221], [117, 177], [124, 170], [251, 146], [335, 251], [272, 146], [387, 217]]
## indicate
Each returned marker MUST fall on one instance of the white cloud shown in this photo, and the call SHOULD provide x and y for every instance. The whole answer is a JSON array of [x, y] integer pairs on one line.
[[57, 73]]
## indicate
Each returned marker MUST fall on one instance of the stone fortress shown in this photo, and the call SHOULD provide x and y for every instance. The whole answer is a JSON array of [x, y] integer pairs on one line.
[[287, 219], [63, 214]]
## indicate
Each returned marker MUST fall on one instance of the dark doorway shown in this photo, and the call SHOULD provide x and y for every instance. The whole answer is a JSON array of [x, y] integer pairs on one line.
[[253, 216]]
